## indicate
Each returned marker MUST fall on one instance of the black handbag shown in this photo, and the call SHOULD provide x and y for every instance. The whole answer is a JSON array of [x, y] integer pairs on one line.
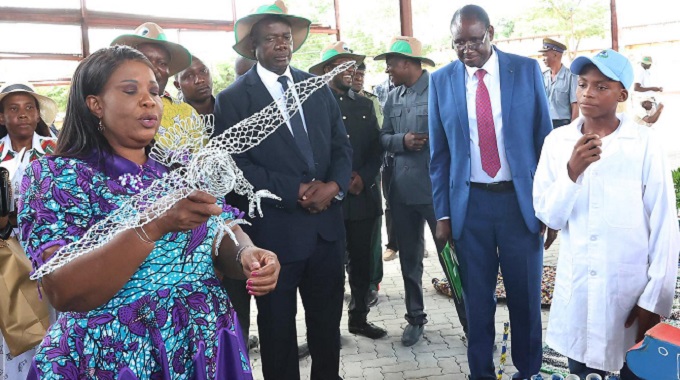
[[5, 192]]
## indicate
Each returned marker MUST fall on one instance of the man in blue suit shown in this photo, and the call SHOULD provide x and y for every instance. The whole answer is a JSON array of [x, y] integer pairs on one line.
[[308, 163], [488, 116]]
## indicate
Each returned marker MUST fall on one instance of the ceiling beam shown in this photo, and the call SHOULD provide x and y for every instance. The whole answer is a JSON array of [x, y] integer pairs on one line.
[[51, 56], [96, 19]]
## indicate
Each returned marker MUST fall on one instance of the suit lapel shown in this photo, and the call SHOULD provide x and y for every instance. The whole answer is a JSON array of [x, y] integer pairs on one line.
[[507, 74], [459, 93]]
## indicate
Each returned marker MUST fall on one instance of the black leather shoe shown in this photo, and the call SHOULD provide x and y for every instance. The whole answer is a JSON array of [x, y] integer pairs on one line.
[[368, 330], [372, 298], [303, 351], [412, 334]]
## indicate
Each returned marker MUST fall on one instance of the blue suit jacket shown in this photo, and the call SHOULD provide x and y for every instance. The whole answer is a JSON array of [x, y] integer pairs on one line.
[[526, 122], [278, 166]]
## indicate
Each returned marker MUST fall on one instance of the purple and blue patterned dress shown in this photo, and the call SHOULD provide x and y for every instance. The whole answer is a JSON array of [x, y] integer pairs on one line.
[[172, 320]]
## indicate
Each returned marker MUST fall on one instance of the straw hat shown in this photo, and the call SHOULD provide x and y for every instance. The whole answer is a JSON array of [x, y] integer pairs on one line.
[[333, 51], [48, 107], [407, 47], [299, 27], [149, 32]]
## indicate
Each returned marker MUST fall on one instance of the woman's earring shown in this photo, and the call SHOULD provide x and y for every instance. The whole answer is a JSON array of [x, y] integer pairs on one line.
[[101, 126]]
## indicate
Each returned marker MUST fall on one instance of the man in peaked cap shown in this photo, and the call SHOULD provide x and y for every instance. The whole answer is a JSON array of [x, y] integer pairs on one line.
[[167, 58], [308, 163], [362, 207], [560, 84], [405, 134]]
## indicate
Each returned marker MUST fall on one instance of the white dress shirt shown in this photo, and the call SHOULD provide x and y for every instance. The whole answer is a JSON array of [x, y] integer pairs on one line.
[[271, 82], [619, 244], [492, 80], [646, 78]]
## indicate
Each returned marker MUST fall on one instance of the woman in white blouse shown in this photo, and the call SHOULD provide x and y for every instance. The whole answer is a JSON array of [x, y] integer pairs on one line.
[[24, 137]]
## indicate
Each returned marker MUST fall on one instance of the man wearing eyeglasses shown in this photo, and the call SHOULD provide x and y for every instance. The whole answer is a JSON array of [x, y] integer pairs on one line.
[[488, 116]]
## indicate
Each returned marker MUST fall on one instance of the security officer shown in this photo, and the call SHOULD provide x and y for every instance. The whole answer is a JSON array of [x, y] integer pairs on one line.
[[362, 206], [376, 244], [560, 84]]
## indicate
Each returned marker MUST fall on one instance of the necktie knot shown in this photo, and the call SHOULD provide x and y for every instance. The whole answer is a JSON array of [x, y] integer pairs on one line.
[[284, 82], [480, 74]]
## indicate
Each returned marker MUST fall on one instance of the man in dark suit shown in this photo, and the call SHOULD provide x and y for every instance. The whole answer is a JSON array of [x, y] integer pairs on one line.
[[307, 162], [362, 206], [488, 116]]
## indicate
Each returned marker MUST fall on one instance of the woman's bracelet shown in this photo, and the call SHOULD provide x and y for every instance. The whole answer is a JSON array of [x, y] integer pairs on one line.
[[240, 251], [147, 239]]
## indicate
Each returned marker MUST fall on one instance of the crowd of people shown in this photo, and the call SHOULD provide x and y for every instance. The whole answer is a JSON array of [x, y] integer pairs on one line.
[[492, 154]]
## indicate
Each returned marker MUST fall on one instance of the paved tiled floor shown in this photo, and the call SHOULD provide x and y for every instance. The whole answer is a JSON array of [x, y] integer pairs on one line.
[[440, 355]]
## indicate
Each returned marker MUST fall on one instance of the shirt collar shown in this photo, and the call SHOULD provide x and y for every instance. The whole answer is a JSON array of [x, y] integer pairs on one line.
[[420, 86], [270, 77], [114, 165], [626, 127], [7, 145], [491, 66]]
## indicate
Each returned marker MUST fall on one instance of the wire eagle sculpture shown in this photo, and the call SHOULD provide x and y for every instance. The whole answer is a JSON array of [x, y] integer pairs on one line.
[[202, 165]]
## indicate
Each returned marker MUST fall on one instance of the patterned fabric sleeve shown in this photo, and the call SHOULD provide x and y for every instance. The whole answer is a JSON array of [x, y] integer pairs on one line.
[[58, 205], [229, 212]]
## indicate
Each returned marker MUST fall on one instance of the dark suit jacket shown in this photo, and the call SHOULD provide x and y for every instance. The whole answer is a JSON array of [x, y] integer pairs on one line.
[[526, 123], [358, 115], [278, 166], [406, 111]]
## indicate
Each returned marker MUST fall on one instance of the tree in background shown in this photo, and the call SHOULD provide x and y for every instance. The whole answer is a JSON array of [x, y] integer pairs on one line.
[[573, 19], [57, 93], [223, 75]]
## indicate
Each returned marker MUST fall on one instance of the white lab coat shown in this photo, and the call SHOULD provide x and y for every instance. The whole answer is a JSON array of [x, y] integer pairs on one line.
[[619, 241]]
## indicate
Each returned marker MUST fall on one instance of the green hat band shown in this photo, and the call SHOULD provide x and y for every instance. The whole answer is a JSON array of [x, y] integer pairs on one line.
[[401, 47], [269, 9], [329, 54], [162, 37]]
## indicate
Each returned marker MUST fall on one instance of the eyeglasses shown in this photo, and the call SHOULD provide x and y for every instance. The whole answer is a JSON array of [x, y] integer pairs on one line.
[[470, 45]]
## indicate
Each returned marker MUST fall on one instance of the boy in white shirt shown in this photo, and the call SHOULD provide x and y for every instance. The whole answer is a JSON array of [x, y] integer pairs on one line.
[[604, 182]]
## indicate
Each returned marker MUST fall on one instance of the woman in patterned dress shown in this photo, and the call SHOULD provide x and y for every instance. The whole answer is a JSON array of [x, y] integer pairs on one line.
[[147, 304], [24, 137]]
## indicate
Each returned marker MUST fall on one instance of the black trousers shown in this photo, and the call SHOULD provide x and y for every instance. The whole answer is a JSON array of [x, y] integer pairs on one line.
[[410, 225], [359, 239], [320, 280]]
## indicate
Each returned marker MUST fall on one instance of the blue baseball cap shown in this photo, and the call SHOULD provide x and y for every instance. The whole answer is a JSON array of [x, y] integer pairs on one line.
[[611, 63]]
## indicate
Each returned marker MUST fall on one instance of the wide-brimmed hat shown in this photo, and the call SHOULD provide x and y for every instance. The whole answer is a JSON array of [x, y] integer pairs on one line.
[[407, 47], [646, 60], [334, 51], [611, 64], [48, 107], [550, 44], [151, 33], [298, 25]]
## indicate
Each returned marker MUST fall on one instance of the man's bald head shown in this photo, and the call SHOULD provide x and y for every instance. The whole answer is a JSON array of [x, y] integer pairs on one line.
[[242, 65]]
